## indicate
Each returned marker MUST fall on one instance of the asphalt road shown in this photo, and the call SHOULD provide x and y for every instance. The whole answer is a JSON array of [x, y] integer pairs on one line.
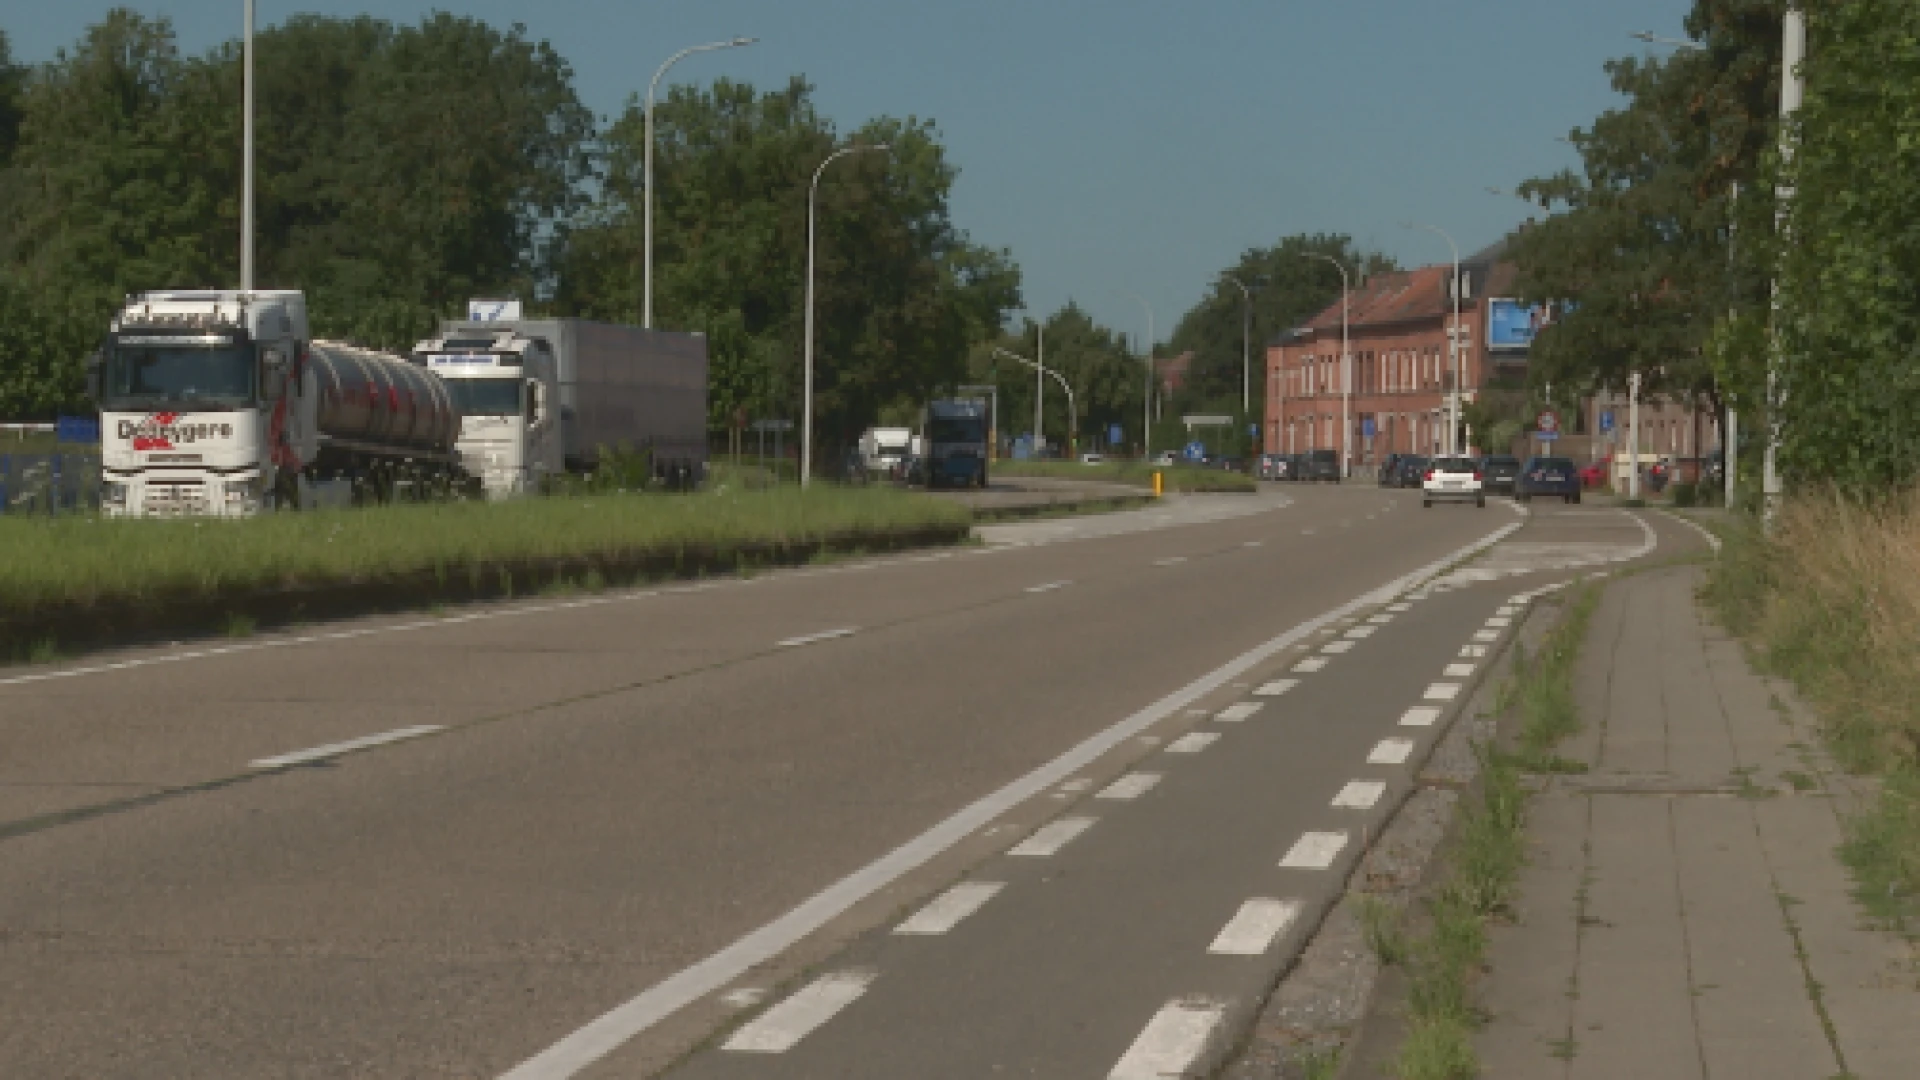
[[611, 833]]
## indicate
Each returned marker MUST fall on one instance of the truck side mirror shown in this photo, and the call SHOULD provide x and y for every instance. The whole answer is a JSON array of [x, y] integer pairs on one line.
[[536, 401], [273, 364]]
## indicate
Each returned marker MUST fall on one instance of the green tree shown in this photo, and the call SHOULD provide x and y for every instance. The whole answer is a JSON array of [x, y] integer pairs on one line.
[[1106, 377], [13, 85]]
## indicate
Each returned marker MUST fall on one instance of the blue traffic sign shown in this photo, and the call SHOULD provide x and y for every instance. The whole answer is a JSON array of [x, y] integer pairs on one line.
[[1606, 420], [1366, 427], [1196, 451], [1546, 436], [1114, 435]]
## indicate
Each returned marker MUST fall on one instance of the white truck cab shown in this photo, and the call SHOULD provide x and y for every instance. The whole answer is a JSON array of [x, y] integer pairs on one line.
[[505, 386]]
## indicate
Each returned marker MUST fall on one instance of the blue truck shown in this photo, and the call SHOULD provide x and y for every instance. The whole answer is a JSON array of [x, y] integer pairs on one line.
[[956, 442]]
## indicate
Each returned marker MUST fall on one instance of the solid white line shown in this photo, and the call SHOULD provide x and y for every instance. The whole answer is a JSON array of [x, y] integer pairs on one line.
[[320, 753], [1192, 742], [1359, 795], [1458, 671], [1239, 711], [1314, 851], [1420, 716], [1048, 587], [1130, 786], [1390, 752], [1254, 927], [824, 635], [1337, 647], [1276, 687], [779, 1028], [1486, 635], [1052, 836], [1359, 632], [1310, 665], [1713, 541], [1442, 691], [607, 1032], [1171, 1041], [946, 910]]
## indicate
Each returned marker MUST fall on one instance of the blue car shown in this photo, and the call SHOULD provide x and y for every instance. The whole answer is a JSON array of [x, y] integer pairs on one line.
[[1548, 476]]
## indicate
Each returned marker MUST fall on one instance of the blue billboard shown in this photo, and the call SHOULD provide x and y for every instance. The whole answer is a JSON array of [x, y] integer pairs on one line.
[[1511, 325]]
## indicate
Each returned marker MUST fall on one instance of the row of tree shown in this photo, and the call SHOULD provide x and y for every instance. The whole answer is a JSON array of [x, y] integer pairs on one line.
[[1671, 239]]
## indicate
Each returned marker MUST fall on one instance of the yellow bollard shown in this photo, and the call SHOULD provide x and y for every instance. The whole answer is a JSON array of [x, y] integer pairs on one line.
[[1156, 484]]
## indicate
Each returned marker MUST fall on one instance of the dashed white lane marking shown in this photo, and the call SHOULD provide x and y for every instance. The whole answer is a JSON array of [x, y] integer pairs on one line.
[[1458, 671], [1048, 587], [1052, 836], [1380, 620], [1276, 687], [1442, 691], [1314, 851], [320, 753], [1130, 786], [1390, 752], [608, 1031], [1254, 927], [1239, 711], [1486, 635], [1172, 560], [1400, 607], [1510, 609], [1337, 647], [744, 998], [1075, 786], [1499, 621], [1250, 543], [1192, 742], [1171, 1041], [1420, 716], [1473, 652], [1359, 795], [946, 910], [1306, 532], [1360, 632], [1310, 665], [824, 635], [779, 1028]]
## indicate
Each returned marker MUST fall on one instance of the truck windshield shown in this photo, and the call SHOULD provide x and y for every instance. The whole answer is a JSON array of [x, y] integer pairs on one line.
[[151, 376], [486, 397], [956, 429]]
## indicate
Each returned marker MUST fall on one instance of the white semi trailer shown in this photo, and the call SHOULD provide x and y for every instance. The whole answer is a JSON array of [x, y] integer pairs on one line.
[[543, 396], [218, 402]]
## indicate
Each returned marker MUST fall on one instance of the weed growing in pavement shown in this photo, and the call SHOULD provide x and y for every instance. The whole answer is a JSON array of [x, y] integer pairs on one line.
[[1321, 1065], [43, 651], [240, 625], [1437, 1051], [1380, 927], [1831, 600]]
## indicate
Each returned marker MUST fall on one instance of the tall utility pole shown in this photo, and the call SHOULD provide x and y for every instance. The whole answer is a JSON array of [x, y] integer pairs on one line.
[[1453, 339], [1039, 390], [646, 243], [806, 403], [1793, 52], [1346, 364], [246, 150], [1633, 435], [1246, 343], [1146, 405]]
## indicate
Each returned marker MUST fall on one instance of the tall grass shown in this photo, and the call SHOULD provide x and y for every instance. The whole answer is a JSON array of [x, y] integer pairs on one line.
[[1833, 601], [1182, 478], [87, 560]]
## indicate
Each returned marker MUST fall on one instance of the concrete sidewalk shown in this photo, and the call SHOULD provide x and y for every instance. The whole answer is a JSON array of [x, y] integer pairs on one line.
[[1684, 912]]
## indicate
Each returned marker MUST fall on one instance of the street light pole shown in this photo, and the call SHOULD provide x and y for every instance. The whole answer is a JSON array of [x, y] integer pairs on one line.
[[246, 152], [1039, 392], [1453, 338], [1346, 365], [646, 244], [1146, 404], [1793, 52], [1246, 343], [806, 404], [1041, 371]]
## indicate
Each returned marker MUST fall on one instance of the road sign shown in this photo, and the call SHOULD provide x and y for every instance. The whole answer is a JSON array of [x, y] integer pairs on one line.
[[1206, 420], [1606, 420], [1366, 427], [1114, 435], [1195, 451], [1253, 431], [1547, 421], [493, 310], [1545, 435]]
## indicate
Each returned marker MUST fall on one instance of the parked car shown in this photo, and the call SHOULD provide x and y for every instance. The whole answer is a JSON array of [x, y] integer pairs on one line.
[[1497, 473], [1410, 472], [1166, 459], [1549, 477], [1388, 475], [1452, 479], [1323, 465], [1091, 458], [1273, 466]]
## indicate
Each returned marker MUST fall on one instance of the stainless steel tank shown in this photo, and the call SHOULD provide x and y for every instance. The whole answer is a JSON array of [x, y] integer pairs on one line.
[[382, 401]]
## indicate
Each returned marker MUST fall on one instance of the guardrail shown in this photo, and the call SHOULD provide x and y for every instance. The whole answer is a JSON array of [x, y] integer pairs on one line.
[[49, 483]]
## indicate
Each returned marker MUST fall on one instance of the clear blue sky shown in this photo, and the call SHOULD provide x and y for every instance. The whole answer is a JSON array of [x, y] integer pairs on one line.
[[1116, 144]]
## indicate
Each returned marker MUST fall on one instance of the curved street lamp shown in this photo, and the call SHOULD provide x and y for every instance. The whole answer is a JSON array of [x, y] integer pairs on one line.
[[806, 404], [646, 272], [1073, 413], [1246, 341], [1146, 405], [1346, 365]]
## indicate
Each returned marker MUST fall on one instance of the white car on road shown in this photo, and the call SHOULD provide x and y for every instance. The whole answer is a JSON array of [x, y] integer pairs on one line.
[[1452, 479]]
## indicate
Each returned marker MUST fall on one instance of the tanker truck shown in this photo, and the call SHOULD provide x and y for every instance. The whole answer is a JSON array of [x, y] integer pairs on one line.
[[217, 402], [539, 397]]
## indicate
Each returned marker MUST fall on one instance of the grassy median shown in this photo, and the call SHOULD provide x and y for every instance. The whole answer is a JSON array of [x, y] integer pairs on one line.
[[1181, 478], [1832, 599], [60, 562]]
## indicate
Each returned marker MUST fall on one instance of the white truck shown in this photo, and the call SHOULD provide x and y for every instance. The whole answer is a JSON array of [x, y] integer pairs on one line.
[[218, 402], [539, 397], [884, 451]]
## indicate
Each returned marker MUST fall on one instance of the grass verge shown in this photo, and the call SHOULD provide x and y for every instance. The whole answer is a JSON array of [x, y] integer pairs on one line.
[[56, 567], [1181, 478], [1487, 854], [1831, 601]]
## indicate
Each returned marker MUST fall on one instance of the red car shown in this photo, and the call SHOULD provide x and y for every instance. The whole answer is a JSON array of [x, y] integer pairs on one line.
[[1596, 474]]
